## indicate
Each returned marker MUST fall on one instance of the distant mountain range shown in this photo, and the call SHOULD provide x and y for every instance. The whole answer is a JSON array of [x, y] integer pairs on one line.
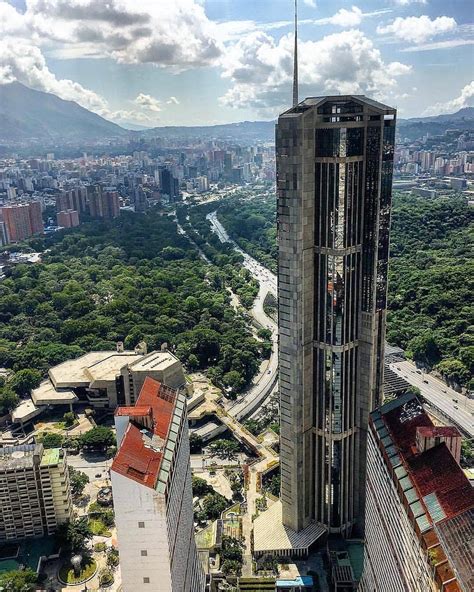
[[32, 114], [417, 127], [27, 114]]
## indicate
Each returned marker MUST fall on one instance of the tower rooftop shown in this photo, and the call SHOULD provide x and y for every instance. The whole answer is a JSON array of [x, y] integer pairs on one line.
[[358, 103]]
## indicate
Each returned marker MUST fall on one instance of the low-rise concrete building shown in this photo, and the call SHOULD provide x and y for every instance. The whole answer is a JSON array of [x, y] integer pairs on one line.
[[35, 495], [107, 378]]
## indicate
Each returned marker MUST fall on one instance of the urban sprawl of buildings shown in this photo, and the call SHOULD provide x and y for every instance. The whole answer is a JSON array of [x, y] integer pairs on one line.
[[369, 480], [100, 187]]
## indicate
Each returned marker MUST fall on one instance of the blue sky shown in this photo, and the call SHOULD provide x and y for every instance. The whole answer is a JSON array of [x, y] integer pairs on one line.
[[195, 62]]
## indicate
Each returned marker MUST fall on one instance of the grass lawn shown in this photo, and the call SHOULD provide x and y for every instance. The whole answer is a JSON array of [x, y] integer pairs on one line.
[[67, 575], [99, 528]]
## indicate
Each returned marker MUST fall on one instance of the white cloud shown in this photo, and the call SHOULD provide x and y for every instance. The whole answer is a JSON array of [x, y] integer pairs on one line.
[[148, 102], [448, 44], [417, 29], [260, 69], [174, 34], [172, 101], [346, 18], [25, 63], [465, 99], [311, 3], [408, 2], [233, 30]]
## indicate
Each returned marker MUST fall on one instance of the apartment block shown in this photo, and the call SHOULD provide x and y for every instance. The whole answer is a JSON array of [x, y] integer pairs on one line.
[[151, 482], [22, 220], [68, 218], [103, 203], [35, 495], [420, 505]]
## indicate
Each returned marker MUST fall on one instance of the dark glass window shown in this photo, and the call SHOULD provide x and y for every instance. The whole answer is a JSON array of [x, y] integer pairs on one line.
[[355, 141], [327, 142]]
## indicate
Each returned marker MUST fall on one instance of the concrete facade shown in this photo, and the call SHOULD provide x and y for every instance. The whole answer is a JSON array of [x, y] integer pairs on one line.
[[106, 379], [334, 182], [35, 494], [420, 505], [151, 482]]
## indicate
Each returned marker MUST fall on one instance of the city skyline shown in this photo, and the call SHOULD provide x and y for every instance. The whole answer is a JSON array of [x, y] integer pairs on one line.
[[228, 61]]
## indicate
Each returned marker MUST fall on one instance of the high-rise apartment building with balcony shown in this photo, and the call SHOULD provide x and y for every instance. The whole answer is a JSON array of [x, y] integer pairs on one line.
[[334, 183], [35, 495]]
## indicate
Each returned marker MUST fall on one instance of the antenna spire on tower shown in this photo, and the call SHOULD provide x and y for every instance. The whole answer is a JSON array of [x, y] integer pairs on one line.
[[295, 59]]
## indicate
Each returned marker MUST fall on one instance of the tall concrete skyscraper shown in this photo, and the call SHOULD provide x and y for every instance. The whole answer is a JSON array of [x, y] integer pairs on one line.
[[334, 186]]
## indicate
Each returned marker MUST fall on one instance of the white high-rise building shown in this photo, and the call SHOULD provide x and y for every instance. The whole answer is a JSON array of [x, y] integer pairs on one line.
[[151, 482], [419, 527]]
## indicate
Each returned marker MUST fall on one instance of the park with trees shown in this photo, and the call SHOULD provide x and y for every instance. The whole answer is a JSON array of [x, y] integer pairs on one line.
[[131, 279]]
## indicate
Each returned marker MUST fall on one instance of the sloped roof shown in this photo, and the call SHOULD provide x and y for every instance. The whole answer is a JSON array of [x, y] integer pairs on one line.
[[141, 452]]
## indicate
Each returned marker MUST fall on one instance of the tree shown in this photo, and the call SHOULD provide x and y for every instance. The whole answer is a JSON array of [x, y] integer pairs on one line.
[[98, 437], [467, 453], [231, 567], [75, 534], [78, 481], [232, 554], [106, 577], [112, 557], [25, 380], [213, 505], [453, 370], [195, 443], [273, 485], [234, 380], [201, 487], [52, 440], [69, 418], [8, 400], [414, 390], [264, 334], [21, 580], [424, 348], [224, 449]]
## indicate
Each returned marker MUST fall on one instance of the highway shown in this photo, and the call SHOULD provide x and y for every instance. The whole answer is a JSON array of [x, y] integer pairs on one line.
[[266, 384], [454, 407]]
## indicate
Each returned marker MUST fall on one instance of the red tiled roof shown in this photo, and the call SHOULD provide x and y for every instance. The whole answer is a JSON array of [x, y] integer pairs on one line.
[[135, 460], [443, 431], [137, 411], [436, 471], [403, 422]]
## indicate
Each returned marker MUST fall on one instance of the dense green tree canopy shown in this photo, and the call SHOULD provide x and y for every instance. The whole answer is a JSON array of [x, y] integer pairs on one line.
[[21, 580], [430, 275], [98, 437], [131, 279]]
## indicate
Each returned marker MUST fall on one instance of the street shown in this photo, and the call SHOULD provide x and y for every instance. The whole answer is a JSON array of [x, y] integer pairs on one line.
[[90, 464], [455, 407], [265, 385]]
